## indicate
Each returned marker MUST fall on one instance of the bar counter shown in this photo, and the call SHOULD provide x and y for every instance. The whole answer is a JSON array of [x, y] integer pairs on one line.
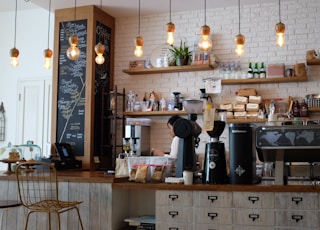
[[123, 183]]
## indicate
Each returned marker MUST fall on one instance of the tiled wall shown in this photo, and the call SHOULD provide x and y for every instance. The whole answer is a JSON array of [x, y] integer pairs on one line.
[[302, 21]]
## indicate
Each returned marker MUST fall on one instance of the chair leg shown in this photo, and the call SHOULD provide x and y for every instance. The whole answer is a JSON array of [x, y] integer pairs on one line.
[[59, 225], [49, 219], [80, 220], [27, 220]]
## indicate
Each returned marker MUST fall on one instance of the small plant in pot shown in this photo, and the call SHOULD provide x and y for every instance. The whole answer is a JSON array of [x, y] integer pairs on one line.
[[181, 54]]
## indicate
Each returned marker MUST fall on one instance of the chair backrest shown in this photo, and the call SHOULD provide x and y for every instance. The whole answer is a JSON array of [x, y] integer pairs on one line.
[[37, 181]]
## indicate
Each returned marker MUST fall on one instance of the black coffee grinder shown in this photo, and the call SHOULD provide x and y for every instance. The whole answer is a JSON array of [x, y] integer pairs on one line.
[[215, 171]]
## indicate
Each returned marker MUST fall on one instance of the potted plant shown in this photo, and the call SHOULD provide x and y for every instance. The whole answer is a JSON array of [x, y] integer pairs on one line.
[[181, 54]]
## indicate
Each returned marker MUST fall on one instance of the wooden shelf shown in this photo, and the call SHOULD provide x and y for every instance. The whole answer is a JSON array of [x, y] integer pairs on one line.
[[264, 80], [314, 109], [315, 61], [155, 113], [170, 69]]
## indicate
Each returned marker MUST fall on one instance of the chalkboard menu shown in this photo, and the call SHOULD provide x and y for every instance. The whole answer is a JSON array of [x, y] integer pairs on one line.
[[71, 88], [102, 86]]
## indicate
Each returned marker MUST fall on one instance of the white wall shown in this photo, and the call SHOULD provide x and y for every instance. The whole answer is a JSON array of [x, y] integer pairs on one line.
[[32, 27], [302, 21]]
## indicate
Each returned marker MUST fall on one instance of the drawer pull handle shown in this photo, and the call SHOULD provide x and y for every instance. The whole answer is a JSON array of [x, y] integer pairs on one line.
[[173, 213], [297, 218], [297, 200], [173, 197], [253, 216], [253, 199], [173, 228], [212, 215], [212, 198]]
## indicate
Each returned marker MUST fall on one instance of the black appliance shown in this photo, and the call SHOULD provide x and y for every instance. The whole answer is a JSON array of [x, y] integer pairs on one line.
[[188, 131], [242, 154], [66, 159], [215, 171]]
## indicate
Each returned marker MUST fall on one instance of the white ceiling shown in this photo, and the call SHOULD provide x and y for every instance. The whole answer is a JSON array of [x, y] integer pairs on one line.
[[122, 8]]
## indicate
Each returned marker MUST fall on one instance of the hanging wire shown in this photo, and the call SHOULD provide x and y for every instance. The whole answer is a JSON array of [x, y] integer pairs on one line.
[[49, 22], [75, 9], [205, 12], [170, 11], [100, 4], [239, 14], [279, 12], [139, 20], [15, 25]]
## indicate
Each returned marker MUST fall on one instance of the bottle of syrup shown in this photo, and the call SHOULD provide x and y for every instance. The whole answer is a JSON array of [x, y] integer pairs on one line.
[[304, 109], [296, 109]]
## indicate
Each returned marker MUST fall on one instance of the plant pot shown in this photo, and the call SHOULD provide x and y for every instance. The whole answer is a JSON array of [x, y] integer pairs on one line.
[[180, 60]]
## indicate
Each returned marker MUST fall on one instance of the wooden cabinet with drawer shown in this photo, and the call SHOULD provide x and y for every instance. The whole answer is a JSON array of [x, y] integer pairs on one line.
[[299, 210]]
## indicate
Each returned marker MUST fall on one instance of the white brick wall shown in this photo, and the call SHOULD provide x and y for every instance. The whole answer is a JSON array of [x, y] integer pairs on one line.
[[302, 21]]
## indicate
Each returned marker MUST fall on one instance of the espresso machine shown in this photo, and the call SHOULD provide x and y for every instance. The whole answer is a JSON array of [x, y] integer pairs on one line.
[[188, 131], [215, 171], [139, 139]]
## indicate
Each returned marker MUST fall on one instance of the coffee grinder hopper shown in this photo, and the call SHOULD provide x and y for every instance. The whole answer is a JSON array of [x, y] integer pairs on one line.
[[219, 125]]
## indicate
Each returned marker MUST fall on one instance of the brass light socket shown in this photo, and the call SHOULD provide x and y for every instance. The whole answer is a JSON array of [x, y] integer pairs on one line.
[[170, 27], [99, 48], [73, 40], [14, 52], [47, 53], [239, 39], [139, 41], [205, 30], [280, 28]]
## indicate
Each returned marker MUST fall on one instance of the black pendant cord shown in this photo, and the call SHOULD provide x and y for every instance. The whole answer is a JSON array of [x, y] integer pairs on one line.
[[279, 12], [49, 22], [205, 12], [139, 20], [15, 25], [170, 11], [239, 14]]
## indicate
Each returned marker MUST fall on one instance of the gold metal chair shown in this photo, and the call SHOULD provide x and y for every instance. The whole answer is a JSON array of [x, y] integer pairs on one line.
[[38, 191]]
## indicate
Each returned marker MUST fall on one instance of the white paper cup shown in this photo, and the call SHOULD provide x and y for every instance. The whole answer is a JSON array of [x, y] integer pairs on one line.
[[187, 177]]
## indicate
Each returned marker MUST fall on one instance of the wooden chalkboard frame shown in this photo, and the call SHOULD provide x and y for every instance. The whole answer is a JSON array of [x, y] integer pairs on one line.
[[92, 15]]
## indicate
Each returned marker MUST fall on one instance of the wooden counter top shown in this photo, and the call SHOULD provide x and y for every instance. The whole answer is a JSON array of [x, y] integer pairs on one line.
[[123, 183]]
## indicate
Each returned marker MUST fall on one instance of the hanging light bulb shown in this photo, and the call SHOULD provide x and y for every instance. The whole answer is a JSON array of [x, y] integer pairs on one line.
[[280, 28], [48, 52], [138, 52], [73, 52], [170, 30], [99, 49], [205, 43], [47, 58], [239, 39], [14, 52]]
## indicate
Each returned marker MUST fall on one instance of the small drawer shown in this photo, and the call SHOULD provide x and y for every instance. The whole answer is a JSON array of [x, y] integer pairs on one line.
[[300, 219], [253, 200], [212, 227], [301, 201], [212, 199], [253, 217], [212, 215], [174, 226], [174, 214], [174, 198]]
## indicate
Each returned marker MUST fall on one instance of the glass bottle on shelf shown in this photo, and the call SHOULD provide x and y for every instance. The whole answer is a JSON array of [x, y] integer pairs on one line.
[[262, 71], [256, 73], [250, 71]]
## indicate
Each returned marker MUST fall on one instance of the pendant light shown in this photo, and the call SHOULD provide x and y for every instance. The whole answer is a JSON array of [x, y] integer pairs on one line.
[[14, 52], [205, 43], [73, 52], [48, 52], [99, 48], [239, 39], [138, 52], [170, 30], [280, 28]]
